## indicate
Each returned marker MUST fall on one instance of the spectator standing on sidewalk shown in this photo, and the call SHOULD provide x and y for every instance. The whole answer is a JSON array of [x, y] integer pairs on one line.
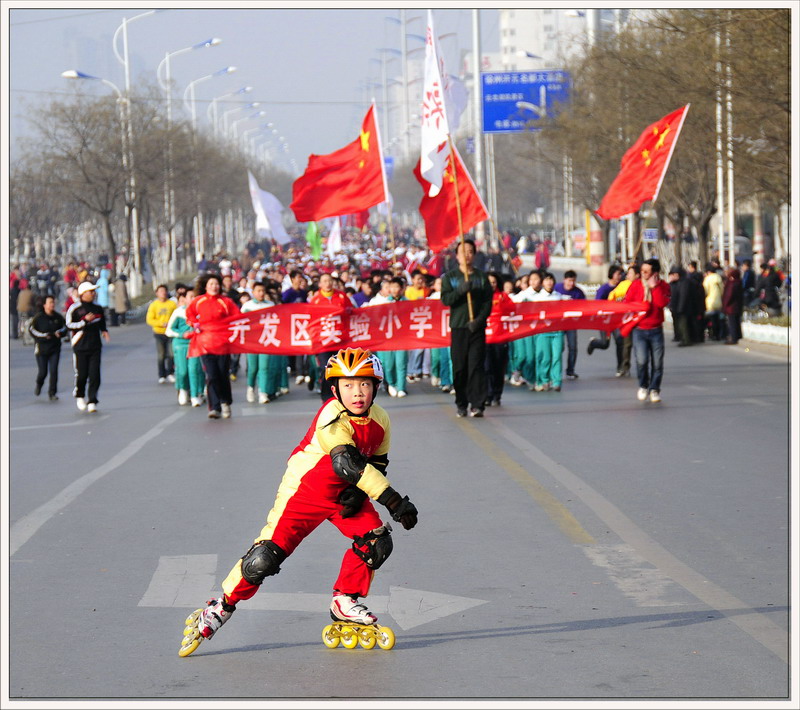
[[733, 305]]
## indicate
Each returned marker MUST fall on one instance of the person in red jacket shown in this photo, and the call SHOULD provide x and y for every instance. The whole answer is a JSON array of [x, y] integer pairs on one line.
[[327, 295], [648, 335], [210, 306]]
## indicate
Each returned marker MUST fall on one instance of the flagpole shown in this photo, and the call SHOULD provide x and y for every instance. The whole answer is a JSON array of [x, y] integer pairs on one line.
[[383, 174], [460, 223]]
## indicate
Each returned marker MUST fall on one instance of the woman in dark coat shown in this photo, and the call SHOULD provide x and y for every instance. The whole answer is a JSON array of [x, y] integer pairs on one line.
[[733, 305]]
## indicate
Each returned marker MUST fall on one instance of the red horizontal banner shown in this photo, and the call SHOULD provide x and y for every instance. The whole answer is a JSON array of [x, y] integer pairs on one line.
[[303, 329]]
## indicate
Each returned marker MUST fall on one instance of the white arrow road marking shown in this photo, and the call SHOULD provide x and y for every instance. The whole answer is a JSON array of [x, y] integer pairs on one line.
[[189, 580]]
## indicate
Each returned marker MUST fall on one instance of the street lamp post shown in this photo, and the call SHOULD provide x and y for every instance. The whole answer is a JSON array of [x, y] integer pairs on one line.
[[213, 114], [124, 138], [136, 280], [199, 234], [169, 192]]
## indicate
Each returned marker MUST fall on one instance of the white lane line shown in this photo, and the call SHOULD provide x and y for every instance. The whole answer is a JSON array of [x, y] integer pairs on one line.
[[25, 528], [88, 418], [759, 402], [755, 624], [632, 575]]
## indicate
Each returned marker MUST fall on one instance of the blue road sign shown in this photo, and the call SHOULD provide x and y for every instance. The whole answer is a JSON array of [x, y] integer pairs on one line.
[[388, 163], [516, 101]]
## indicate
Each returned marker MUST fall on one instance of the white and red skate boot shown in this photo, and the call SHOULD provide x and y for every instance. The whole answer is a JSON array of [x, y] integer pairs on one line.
[[204, 623]]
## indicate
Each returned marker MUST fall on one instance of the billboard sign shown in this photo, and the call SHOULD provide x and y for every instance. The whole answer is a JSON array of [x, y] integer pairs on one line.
[[514, 102]]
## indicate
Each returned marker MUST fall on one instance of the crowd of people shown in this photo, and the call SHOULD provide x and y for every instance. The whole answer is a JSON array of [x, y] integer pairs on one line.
[[705, 305]]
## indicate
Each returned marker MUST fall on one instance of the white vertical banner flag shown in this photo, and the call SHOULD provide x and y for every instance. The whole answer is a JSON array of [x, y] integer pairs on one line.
[[334, 239], [268, 209], [435, 127]]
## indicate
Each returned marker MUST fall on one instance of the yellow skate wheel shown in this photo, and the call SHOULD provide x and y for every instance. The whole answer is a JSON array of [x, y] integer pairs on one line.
[[330, 639], [349, 637], [385, 638], [194, 616], [367, 639], [189, 646], [191, 631]]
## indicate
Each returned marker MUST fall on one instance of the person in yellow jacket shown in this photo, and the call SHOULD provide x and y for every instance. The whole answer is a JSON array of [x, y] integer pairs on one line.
[[158, 314], [333, 474], [618, 294]]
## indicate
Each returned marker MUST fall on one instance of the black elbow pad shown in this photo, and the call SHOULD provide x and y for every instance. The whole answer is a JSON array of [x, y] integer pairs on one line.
[[348, 462]]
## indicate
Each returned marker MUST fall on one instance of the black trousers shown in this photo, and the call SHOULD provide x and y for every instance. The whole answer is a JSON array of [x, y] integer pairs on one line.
[[468, 354], [164, 354], [496, 364], [218, 383], [571, 341], [87, 374], [324, 384], [48, 361]]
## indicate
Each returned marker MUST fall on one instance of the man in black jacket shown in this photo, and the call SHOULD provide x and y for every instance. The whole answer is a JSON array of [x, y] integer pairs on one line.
[[87, 324], [468, 335], [47, 328]]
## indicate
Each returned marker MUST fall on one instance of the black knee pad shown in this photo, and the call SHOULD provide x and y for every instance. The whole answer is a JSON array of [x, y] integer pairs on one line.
[[375, 546], [262, 560]]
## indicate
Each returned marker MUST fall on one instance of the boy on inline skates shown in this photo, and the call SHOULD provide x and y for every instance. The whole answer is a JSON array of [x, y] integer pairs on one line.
[[339, 464]]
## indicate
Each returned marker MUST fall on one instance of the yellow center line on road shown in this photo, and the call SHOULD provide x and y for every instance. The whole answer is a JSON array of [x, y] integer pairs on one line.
[[753, 622], [554, 509]]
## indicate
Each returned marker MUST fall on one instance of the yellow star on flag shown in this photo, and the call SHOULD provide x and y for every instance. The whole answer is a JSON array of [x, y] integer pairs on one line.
[[662, 138], [646, 156]]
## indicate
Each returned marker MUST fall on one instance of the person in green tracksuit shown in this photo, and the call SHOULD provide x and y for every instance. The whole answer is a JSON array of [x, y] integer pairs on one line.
[[189, 377], [259, 372]]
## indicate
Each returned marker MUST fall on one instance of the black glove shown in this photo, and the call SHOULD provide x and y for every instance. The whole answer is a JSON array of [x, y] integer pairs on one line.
[[401, 509], [352, 499], [474, 325], [464, 287]]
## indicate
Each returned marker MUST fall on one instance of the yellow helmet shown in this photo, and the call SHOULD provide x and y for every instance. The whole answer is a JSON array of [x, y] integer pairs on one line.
[[354, 362]]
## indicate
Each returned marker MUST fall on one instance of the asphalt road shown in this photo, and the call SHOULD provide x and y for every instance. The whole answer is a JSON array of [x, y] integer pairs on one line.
[[575, 545]]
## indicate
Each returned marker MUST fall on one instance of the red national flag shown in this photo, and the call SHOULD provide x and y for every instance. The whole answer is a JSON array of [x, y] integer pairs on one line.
[[440, 212], [347, 181], [643, 167]]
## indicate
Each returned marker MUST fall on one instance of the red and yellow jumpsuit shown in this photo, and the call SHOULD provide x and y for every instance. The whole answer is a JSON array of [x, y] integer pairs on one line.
[[310, 489]]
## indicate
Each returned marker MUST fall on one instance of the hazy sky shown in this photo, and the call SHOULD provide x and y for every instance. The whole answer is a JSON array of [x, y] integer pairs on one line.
[[305, 65]]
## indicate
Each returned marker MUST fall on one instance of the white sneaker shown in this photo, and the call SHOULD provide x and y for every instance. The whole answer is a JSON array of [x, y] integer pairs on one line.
[[171, 378], [81, 402], [307, 379], [162, 380], [226, 411], [196, 401], [263, 398], [402, 393], [641, 395], [284, 390], [183, 397], [299, 380], [92, 407], [347, 608], [392, 391], [655, 396], [436, 381], [251, 394]]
